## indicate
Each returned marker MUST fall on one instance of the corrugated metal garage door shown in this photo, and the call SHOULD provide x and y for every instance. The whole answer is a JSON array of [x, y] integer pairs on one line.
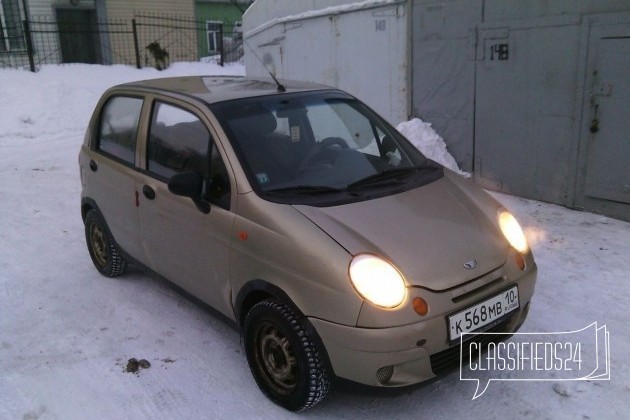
[[526, 93], [607, 117]]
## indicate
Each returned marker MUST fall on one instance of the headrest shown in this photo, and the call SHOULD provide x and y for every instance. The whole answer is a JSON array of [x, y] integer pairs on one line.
[[255, 120]]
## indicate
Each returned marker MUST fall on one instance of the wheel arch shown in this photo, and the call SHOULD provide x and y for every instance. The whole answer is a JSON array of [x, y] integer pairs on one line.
[[255, 291], [88, 204]]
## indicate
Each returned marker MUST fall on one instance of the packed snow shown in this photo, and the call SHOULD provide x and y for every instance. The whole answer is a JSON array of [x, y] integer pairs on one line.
[[66, 332], [429, 142]]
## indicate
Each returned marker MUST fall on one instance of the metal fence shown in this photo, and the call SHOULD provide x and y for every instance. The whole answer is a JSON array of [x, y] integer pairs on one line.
[[146, 40]]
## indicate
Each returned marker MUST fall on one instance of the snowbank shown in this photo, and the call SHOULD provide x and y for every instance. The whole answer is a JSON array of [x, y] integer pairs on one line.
[[429, 143]]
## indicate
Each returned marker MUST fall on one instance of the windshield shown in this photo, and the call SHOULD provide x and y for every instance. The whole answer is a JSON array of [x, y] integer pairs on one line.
[[320, 148]]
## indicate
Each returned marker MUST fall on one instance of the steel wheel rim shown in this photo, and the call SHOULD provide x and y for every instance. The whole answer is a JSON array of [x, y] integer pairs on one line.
[[98, 243], [276, 359]]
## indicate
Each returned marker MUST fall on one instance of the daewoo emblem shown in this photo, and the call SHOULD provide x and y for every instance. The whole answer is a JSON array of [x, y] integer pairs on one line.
[[471, 264]]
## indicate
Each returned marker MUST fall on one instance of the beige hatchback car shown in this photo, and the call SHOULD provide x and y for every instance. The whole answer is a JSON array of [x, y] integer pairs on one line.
[[334, 245]]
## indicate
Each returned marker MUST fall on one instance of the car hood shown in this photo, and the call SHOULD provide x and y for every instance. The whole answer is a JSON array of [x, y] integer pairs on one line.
[[429, 233]]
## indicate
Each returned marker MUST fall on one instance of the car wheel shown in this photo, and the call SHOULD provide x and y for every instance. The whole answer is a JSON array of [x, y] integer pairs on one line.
[[284, 356], [103, 250]]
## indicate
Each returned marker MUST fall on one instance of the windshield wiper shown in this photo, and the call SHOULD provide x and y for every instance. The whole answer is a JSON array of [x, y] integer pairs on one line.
[[395, 175], [305, 189]]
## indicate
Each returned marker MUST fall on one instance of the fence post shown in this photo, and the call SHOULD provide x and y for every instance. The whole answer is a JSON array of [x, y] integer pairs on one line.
[[135, 42], [221, 50], [29, 44]]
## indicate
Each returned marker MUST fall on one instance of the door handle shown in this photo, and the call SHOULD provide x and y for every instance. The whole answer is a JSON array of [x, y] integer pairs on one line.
[[148, 192], [93, 165], [594, 128]]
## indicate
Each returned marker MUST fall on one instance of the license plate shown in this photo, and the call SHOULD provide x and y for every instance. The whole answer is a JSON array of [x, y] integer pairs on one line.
[[478, 316]]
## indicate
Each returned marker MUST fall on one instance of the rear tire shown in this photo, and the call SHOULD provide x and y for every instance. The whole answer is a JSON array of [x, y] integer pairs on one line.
[[285, 358], [103, 249]]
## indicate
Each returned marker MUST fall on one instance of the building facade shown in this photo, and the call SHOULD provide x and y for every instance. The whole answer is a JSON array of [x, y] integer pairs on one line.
[[142, 32]]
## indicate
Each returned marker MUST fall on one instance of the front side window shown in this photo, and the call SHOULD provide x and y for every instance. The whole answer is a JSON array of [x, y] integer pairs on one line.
[[118, 127], [180, 142]]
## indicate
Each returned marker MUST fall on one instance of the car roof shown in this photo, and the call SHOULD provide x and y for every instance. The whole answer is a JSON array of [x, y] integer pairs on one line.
[[212, 89]]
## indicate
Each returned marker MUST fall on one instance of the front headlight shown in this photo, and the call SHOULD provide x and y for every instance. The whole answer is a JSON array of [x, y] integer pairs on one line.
[[512, 231], [377, 280]]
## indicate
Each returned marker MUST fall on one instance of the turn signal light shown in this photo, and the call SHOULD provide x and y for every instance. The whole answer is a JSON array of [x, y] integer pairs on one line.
[[420, 306]]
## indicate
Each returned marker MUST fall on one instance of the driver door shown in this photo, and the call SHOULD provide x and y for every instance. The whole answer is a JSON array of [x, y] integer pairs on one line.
[[182, 243]]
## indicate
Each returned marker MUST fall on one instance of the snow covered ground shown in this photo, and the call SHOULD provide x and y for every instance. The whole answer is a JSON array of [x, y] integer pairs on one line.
[[66, 332]]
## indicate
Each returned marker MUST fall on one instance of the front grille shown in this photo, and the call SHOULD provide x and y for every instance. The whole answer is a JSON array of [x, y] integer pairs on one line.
[[448, 359], [466, 295]]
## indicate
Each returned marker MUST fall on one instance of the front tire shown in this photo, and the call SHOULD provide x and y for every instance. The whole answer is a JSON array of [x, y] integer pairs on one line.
[[285, 358], [103, 250]]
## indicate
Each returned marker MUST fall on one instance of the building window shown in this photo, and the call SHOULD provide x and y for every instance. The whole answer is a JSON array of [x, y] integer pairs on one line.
[[213, 34], [11, 32]]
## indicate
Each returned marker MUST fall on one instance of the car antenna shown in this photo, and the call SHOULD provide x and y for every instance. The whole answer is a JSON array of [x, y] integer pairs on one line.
[[279, 85]]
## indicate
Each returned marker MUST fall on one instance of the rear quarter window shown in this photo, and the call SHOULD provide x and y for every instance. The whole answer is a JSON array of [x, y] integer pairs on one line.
[[118, 127]]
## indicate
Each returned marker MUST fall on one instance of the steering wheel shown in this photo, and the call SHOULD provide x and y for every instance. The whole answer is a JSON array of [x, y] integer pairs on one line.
[[318, 148], [332, 141]]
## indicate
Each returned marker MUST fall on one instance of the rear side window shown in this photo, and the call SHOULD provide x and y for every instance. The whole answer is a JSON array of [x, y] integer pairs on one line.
[[178, 142], [119, 127]]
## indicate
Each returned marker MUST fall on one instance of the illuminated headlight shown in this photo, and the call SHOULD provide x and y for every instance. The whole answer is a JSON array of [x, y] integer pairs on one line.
[[377, 280], [512, 231]]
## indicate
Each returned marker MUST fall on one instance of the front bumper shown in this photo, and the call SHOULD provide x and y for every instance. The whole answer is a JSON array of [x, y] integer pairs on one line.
[[408, 354]]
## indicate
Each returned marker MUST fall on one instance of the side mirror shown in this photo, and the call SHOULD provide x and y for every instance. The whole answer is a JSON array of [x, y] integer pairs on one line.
[[189, 184], [186, 184]]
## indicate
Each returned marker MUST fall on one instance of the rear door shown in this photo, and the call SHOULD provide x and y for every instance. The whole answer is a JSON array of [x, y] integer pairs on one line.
[[182, 243], [109, 172]]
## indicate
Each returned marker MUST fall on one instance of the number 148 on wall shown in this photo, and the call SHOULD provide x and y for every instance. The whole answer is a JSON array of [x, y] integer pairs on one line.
[[499, 52]]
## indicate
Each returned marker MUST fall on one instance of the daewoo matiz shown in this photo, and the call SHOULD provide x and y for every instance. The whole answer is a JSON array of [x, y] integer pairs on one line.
[[334, 245]]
